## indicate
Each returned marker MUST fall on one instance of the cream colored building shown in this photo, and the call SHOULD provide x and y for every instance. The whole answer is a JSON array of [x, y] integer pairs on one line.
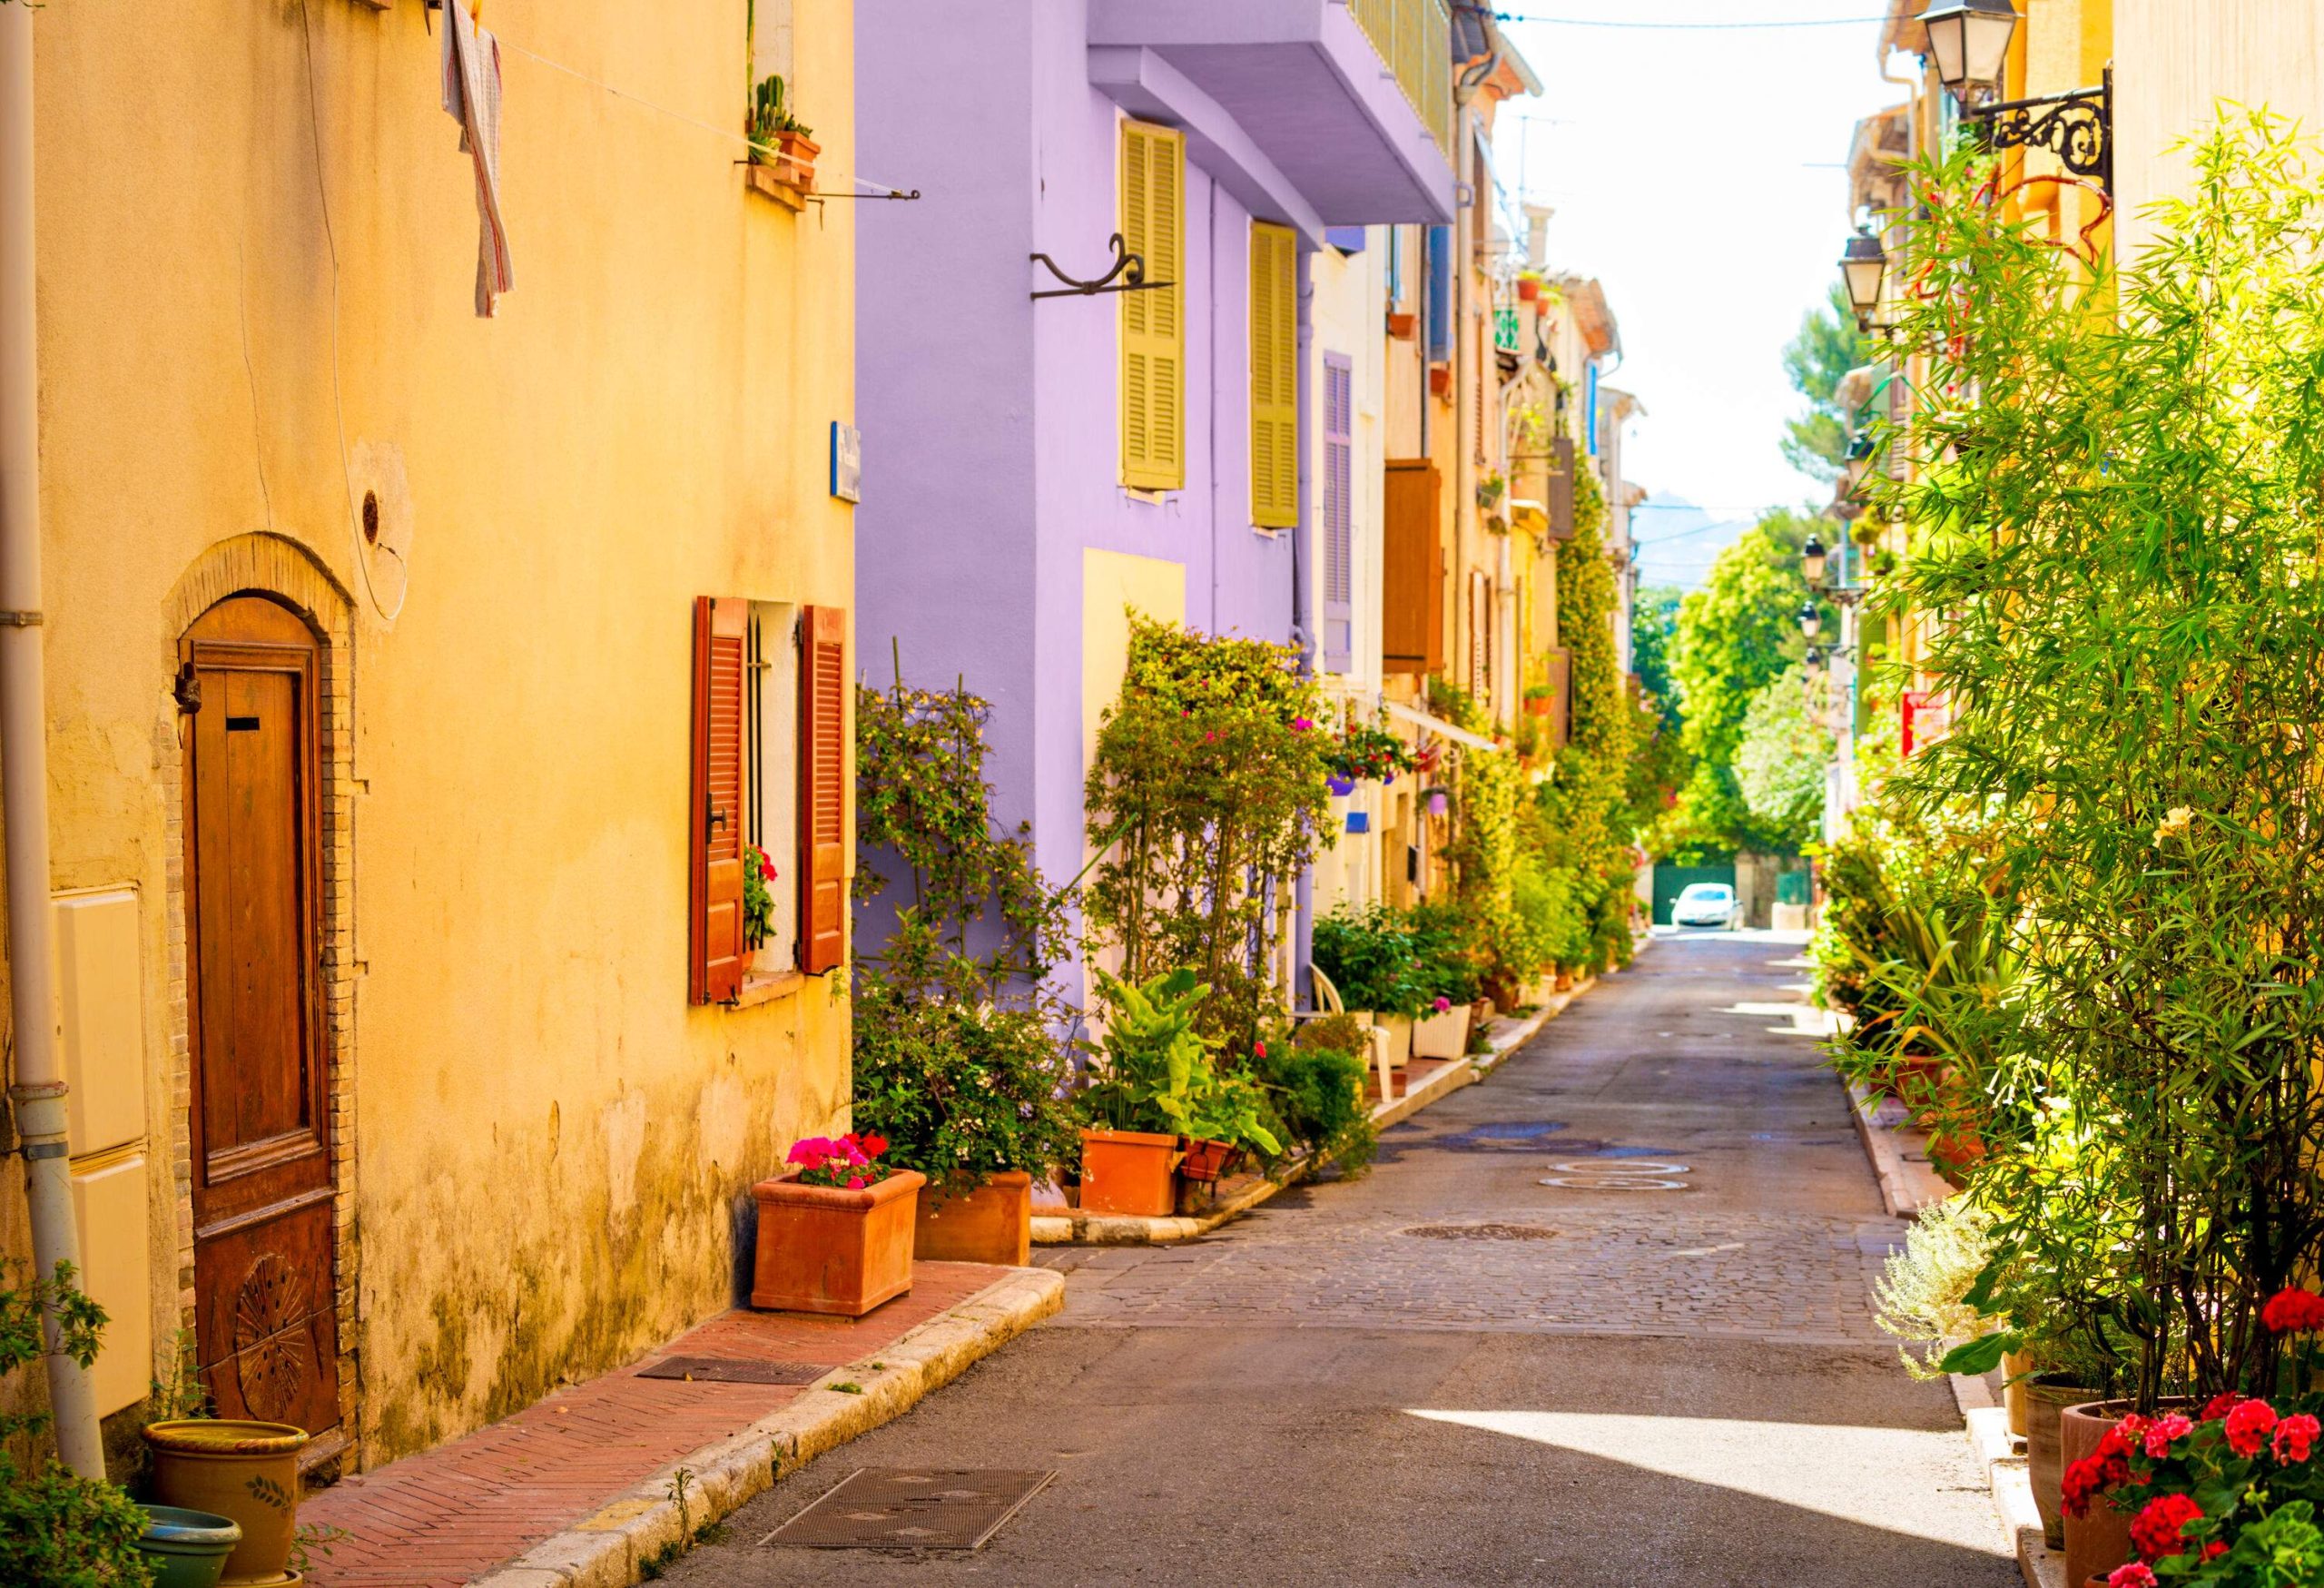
[[415, 679]]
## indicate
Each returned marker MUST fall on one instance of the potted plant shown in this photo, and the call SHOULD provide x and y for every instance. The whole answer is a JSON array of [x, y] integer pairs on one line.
[[1446, 980], [835, 1229], [1371, 958], [778, 138], [1528, 288], [758, 908], [959, 1062], [1141, 1105], [1226, 1117], [1540, 700]]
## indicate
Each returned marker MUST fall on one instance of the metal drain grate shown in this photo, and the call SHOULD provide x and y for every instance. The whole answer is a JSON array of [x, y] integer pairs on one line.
[[887, 1507], [1481, 1232], [732, 1370]]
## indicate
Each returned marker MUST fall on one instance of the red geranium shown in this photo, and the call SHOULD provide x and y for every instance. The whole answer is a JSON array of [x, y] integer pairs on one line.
[[2219, 1406], [2247, 1428], [2171, 1426], [2293, 1312], [2296, 1437], [2155, 1530], [2094, 1473], [2136, 1574], [845, 1162]]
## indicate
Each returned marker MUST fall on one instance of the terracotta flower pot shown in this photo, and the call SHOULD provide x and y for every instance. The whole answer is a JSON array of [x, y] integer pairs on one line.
[[245, 1471], [1128, 1171], [2099, 1540], [1206, 1160], [799, 158], [992, 1224], [828, 1249], [2046, 1466]]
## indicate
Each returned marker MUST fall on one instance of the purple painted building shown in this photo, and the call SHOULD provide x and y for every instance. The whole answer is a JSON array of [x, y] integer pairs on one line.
[[1032, 465]]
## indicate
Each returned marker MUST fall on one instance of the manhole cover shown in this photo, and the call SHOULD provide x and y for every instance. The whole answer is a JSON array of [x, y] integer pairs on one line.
[[1481, 1232], [887, 1507], [1615, 1174], [732, 1370]]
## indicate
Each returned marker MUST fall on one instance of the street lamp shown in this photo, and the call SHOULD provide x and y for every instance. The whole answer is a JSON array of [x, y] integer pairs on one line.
[[1863, 263], [1859, 461], [1811, 620], [1970, 39], [1811, 561]]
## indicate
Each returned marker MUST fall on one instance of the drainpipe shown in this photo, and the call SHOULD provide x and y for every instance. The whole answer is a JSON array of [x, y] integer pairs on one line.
[[38, 1094], [1464, 448]]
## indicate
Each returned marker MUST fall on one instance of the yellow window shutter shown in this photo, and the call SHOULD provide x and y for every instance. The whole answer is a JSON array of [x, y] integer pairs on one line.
[[1153, 364], [1274, 377]]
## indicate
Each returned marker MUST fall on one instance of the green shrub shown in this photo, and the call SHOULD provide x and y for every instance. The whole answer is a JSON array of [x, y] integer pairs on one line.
[[1370, 957], [1315, 1082]]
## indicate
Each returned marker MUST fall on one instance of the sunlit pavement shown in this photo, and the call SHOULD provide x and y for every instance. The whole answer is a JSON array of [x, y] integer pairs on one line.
[[1604, 1319]]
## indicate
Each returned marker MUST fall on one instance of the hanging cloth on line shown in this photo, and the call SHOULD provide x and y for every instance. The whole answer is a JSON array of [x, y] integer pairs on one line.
[[472, 98]]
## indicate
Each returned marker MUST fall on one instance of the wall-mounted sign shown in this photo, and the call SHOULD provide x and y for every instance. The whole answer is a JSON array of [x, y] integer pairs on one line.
[[847, 462]]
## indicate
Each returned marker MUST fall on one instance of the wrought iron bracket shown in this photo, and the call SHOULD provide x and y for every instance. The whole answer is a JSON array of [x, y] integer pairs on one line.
[[1127, 265], [2076, 127]]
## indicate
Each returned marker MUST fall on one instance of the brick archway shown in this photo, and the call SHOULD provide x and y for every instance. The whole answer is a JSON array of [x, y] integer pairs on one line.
[[269, 564]]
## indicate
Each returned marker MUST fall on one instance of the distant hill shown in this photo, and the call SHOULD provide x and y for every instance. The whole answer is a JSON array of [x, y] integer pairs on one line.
[[1677, 541]]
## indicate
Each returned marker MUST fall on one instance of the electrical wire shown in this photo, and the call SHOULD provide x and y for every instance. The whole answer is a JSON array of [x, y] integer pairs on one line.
[[1684, 26]]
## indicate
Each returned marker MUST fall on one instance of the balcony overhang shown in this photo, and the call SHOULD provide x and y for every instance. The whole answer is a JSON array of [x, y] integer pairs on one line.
[[1283, 102]]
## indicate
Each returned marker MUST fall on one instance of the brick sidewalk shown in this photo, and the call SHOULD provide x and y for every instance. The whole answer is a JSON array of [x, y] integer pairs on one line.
[[439, 1518]]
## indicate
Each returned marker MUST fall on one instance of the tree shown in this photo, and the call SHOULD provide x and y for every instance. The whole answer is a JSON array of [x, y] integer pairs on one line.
[[1739, 632], [1827, 347], [1779, 765], [1659, 765]]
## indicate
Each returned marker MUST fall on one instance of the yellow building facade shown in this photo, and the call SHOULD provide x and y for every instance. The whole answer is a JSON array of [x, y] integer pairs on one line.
[[417, 680]]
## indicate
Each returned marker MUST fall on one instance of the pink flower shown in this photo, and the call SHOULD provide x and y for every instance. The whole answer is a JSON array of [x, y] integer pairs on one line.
[[2248, 1425], [1300, 724], [2137, 1574], [855, 1184], [2296, 1438], [1442, 1003], [2171, 1426]]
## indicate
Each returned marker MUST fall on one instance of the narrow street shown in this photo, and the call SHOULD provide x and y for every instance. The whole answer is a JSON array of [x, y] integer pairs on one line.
[[1603, 1319]]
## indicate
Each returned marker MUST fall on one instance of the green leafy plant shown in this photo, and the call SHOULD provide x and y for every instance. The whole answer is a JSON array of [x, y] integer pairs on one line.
[[1921, 1294], [1371, 958], [771, 117], [758, 899], [1155, 1057], [1315, 1082], [1232, 1109], [57, 1530], [1205, 799], [958, 1060], [2120, 525]]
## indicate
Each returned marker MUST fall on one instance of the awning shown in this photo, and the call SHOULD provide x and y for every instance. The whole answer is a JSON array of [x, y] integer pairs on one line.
[[1438, 725]]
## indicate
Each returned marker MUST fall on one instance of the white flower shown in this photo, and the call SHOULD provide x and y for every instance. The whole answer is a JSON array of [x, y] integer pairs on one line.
[[2175, 822]]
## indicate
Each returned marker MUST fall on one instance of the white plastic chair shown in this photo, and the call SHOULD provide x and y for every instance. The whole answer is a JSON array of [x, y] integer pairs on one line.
[[1376, 1040]]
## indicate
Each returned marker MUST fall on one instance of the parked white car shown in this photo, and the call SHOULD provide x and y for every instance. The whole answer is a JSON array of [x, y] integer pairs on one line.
[[1705, 905]]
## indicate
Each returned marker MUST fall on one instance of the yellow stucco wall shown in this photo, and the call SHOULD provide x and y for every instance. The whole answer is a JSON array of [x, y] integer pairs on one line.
[[258, 244]]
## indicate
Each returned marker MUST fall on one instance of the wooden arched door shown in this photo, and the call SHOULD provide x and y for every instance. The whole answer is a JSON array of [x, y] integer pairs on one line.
[[266, 1334]]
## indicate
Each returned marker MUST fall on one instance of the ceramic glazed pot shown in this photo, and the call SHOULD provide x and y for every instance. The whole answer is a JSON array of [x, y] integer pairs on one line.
[[992, 1224], [245, 1471], [187, 1549], [828, 1249], [2044, 1403], [1128, 1171]]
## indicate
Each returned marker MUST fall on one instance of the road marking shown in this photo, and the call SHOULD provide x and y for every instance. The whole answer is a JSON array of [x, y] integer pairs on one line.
[[1615, 1174]]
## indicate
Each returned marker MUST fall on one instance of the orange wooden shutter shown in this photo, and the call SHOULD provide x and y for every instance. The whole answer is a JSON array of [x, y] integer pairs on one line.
[[714, 892], [1411, 593], [823, 788]]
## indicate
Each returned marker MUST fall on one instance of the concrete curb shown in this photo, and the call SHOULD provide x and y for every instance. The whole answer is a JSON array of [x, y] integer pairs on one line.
[[1079, 1228], [1899, 1154], [2013, 1486], [607, 1550]]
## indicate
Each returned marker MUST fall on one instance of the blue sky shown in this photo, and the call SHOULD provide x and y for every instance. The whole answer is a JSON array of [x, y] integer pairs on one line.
[[1696, 172]]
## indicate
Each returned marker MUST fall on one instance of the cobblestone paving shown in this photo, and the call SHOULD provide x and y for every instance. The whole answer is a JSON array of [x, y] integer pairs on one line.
[[1753, 1216], [1448, 1373]]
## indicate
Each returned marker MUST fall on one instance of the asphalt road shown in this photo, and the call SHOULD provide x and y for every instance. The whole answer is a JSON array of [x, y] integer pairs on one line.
[[1661, 1368]]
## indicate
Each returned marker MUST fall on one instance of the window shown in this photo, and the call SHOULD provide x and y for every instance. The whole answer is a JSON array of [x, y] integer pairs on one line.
[[1395, 267], [769, 753], [1274, 377], [1439, 294], [1339, 514], [1152, 394]]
